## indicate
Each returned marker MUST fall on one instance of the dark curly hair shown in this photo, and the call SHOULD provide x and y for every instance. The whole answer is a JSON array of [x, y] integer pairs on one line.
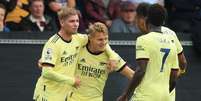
[[156, 15]]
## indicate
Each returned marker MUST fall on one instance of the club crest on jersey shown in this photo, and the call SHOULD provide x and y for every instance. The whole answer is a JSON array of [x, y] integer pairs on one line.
[[48, 55]]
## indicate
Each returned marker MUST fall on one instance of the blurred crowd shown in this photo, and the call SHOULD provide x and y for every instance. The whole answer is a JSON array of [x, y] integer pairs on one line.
[[118, 15]]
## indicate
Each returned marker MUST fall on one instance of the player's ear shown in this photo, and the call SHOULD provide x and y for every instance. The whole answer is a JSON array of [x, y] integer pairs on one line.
[[89, 36], [61, 22]]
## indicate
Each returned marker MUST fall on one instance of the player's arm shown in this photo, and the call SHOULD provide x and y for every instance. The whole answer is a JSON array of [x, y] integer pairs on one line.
[[115, 61], [111, 53], [181, 56], [113, 57], [127, 72], [182, 63], [135, 81], [142, 58], [48, 61], [173, 79], [48, 73], [174, 72], [83, 39], [123, 68]]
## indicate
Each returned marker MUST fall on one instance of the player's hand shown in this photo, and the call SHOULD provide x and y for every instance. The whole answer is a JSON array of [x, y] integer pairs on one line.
[[181, 73], [122, 98], [77, 82], [111, 65], [40, 64]]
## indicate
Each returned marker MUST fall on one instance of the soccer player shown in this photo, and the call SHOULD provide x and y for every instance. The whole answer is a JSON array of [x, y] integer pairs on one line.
[[92, 66], [142, 15], [156, 55], [59, 59]]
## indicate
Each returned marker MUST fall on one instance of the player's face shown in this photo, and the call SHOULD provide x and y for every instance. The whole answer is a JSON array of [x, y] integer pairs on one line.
[[98, 41], [141, 24], [70, 25]]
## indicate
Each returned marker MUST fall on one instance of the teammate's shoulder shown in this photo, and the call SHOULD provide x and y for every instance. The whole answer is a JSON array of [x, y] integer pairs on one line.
[[79, 35], [147, 35], [54, 38], [142, 37], [83, 38], [167, 30]]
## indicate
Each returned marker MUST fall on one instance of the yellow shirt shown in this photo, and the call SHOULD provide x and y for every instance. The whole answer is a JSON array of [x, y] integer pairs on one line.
[[168, 31], [93, 73], [161, 51], [63, 55]]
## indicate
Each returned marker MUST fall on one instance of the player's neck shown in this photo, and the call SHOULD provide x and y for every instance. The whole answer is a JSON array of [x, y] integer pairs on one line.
[[155, 28], [91, 49], [65, 36]]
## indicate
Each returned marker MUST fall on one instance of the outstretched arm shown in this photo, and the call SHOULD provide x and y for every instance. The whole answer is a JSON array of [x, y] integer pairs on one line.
[[127, 72], [139, 74], [48, 73]]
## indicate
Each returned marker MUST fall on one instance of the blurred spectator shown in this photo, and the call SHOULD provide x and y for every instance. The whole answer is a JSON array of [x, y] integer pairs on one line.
[[80, 5], [53, 6], [161, 2], [9, 4], [196, 27], [126, 22], [37, 21], [3, 28], [98, 11], [15, 16], [114, 9], [182, 13]]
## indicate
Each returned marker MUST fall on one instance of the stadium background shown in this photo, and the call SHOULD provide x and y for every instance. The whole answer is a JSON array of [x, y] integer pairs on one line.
[[20, 51]]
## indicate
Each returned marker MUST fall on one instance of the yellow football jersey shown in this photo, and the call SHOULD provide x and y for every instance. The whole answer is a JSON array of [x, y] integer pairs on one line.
[[168, 31], [161, 51], [92, 70], [63, 55]]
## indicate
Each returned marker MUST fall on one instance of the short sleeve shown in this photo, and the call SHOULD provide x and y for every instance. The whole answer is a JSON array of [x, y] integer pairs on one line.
[[49, 53], [141, 49], [120, 62], [178, 45]]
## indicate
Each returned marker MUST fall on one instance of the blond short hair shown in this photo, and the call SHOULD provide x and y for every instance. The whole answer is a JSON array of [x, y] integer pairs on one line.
[[65, 12], [97, 27]]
